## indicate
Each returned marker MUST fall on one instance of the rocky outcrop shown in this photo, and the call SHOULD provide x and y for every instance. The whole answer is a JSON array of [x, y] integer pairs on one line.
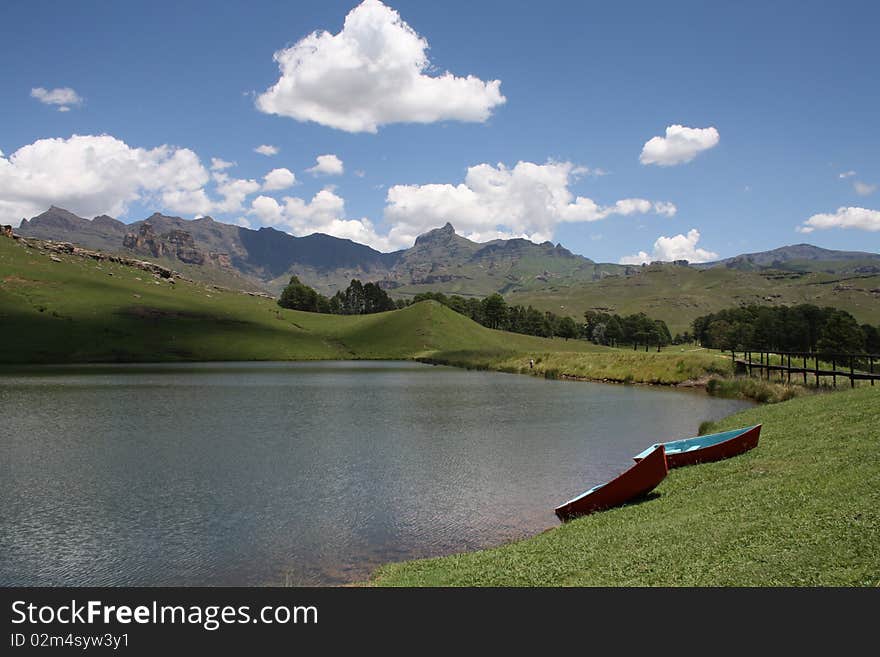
[[66, 248], [54, 249], [175, 244]]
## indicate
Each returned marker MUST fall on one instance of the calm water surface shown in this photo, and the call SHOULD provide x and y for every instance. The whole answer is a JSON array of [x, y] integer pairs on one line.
[[297, 473]]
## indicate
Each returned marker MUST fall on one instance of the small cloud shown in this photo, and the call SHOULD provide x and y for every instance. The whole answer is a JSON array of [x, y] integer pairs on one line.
[[845, 217], [327, 165], [218, 164], [267, 150], [864, 189], [63, 97], [581, 171], [360, 173], [278, 179], [677, 247], [846, 174], [680, 145]]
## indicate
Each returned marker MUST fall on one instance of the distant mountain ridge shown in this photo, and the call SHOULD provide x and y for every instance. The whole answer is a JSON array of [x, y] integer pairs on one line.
[[795, 257], [440, 260], [269, 257]]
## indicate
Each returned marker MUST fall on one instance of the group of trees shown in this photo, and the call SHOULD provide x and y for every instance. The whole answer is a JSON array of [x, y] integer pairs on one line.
[[356, 299], [494, 312], [778, 328], [637, 330]]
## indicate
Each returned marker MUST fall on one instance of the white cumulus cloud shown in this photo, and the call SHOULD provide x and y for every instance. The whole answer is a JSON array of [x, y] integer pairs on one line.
[[100, 174], [218, 164], [374, 72], [267, 149], [63, 97], [680, 145], [327, 165], [677, 247], [234, 192], [528, 200], [278, 179], [846, 217], [324, 213]]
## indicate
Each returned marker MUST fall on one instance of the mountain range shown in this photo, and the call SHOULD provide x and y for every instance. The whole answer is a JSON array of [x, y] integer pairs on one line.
[[440, 260]]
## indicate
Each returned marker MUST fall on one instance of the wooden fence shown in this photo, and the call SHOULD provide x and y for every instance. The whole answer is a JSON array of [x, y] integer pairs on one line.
[[855, 367]]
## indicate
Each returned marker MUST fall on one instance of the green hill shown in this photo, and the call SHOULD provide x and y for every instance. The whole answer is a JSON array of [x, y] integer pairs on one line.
[[57, 308], [678, 294]]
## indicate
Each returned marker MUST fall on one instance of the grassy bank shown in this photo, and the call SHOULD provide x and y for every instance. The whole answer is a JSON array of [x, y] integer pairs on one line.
[[803, 508], [596, 364]]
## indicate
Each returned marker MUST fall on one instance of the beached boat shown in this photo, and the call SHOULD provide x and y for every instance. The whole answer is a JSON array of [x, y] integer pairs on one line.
[[638, 480], [703, 449]]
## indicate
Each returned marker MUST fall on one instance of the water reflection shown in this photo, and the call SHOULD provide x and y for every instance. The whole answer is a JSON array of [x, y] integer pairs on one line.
[[302, 473]]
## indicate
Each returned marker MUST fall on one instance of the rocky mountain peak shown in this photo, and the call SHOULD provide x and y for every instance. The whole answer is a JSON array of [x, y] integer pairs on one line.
[[438, 235]]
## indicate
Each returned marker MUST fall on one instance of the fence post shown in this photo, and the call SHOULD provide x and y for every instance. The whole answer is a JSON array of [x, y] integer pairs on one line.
[[789, 369], [805, 370], [817, 370], [834, 371], [871, 360], [852, 374]]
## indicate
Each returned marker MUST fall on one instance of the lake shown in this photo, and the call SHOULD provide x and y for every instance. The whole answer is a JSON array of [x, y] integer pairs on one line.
[[298, 473]]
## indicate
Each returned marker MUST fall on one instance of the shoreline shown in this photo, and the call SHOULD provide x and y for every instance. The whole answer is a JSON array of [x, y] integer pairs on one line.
[[815, 529]]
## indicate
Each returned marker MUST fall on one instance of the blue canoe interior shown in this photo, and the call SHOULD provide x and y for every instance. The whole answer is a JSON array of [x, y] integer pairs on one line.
[[695, 443]]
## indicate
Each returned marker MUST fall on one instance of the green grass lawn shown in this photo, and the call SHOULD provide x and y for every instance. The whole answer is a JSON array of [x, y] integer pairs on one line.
[[803, 508]]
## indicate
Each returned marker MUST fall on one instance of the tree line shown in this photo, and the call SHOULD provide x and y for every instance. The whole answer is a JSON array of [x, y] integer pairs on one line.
[[805, 327], [602, 328]]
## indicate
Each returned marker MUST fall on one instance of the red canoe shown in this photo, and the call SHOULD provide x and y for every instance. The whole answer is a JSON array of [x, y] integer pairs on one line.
[[638, 480], [704, 449]]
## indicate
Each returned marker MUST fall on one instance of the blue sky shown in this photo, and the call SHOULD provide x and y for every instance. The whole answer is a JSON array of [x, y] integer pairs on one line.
[[790, 89]]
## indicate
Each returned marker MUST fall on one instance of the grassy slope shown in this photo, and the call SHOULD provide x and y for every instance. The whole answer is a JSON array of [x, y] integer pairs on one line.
[[679, 294], [79, 310], [803, 508]]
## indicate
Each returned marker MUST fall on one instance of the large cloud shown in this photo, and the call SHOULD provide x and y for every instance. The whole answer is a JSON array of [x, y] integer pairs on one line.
[[859, 218], [325, 213], [677, 247], [680, 145], [528, 200], [372, 73], [100, 174]]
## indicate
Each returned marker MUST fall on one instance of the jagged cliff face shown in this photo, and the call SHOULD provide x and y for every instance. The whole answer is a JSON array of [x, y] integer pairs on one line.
[[175, 244]]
